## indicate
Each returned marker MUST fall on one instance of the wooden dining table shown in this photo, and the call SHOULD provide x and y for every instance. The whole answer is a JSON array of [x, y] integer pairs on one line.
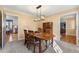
[[43, 36]]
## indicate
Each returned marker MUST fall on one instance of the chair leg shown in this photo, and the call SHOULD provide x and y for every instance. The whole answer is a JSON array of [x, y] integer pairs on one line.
[[34, 49], [40, 46], [27, 45], [25, 42], [46, 43]]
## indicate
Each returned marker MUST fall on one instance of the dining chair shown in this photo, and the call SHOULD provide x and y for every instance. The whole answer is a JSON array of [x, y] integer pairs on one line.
[[25, 31], [37, 32], [26, 38], [30, 31], [33, 42]]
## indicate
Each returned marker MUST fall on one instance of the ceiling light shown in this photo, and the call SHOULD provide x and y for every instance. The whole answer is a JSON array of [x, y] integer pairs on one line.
[[39, 15]]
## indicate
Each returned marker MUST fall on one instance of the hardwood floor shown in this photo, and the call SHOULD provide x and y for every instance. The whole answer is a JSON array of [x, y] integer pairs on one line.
[[69, 39], [11, 37]]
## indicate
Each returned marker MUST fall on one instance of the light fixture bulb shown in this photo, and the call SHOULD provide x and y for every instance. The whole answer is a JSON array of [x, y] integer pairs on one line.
[[42, 17]]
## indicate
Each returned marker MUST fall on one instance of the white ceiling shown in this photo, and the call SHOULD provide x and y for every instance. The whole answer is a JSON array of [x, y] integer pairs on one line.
[[47, 10]]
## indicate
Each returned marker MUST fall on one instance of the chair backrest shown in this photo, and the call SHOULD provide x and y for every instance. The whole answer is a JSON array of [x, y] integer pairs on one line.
[[25, 33], [30, 32], [32, 37], [36, 31]]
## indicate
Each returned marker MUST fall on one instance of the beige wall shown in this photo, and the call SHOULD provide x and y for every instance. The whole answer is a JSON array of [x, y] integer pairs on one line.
[[25, 21], [71, 26], [56, 21]]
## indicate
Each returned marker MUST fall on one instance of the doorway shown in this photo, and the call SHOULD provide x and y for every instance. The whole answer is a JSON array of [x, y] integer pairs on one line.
[[68, 28], [11, 28], [63, 28]]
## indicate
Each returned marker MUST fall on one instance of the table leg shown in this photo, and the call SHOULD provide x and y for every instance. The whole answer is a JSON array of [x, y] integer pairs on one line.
[[24, 41], [34, 49], [39, 46], [52, 42], [46, 43]]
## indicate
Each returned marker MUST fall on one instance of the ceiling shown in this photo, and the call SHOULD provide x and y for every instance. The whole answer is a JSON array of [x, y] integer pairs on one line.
[[47, 10]]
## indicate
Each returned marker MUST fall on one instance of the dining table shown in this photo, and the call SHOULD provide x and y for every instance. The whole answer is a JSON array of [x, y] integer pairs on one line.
[[43, 37]]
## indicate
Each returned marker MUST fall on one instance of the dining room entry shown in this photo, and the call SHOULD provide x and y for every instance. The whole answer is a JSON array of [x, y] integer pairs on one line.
[[11, 28], [68, 28]]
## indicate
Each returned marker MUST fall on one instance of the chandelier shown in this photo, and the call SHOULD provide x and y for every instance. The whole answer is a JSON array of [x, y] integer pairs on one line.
[[39, 15]]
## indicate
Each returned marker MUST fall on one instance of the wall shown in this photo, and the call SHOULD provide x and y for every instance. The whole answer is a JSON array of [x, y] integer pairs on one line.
[[70, 25], [56, 21], [24, 21]]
